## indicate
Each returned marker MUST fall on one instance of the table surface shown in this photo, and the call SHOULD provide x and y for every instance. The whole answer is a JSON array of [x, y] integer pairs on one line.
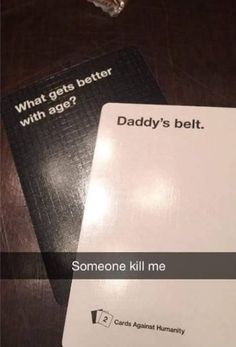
[[190, 47]]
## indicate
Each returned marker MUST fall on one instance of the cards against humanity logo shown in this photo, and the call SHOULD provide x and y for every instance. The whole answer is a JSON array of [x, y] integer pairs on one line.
[[101, 317], [105, 318]]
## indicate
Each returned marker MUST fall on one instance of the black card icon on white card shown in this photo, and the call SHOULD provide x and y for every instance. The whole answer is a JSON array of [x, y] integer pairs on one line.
[[102, 317]]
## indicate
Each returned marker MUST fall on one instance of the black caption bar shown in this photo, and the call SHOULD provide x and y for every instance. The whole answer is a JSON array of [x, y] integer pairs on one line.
[[118, 265]]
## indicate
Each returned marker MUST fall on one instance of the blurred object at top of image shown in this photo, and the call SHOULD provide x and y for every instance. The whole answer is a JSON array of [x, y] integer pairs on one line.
[[113, 7]]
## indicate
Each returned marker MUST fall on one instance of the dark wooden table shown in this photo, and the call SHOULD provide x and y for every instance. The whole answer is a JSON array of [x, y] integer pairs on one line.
[[190, 47]]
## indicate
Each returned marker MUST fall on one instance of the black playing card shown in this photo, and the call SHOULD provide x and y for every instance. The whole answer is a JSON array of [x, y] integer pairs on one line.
[[52, 126]]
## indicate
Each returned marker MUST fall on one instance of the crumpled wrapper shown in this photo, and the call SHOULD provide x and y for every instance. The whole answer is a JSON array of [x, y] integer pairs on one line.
[[113, 7]]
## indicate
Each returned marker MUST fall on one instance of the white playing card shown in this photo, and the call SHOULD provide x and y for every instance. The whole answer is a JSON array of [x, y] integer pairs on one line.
[[162, 180], [105, 319]]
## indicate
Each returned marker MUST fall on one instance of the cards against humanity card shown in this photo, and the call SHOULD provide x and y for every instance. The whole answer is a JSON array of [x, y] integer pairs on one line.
[[52, 127], [162, 180]]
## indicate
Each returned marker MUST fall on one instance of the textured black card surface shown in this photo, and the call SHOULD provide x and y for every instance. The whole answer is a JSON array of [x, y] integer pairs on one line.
[[52, 128]]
